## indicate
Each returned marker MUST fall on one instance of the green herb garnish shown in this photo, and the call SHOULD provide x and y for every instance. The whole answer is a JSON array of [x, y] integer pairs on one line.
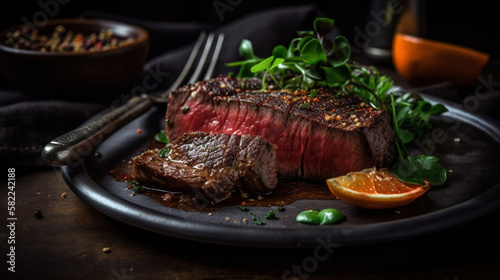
[[164, 152], [243, 208], [313, 93], [315, 217], [136, 187], [162, 137], [170, 123], [304, 105], [271, 215], [253, 216], [309, 217], [185, 110], [313, 59]]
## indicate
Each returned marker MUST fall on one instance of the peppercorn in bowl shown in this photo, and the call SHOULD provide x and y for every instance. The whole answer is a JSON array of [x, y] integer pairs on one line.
[[73, 59]]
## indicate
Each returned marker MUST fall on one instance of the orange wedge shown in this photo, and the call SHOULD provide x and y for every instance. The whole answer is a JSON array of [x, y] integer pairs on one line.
[[423, 62], [375, 189]]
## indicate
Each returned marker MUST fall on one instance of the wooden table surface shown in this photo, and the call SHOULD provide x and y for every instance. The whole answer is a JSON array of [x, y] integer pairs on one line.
[[68, 241]]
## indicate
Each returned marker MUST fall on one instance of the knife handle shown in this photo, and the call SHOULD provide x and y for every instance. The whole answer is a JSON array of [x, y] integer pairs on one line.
[[70, 148]]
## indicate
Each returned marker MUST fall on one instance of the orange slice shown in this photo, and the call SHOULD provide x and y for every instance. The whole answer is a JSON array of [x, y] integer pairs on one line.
[[375, 189], [423, 62]]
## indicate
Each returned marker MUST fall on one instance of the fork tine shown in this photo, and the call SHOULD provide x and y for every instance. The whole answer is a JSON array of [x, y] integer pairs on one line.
[[215, 57], [201, 63], [189, 64]]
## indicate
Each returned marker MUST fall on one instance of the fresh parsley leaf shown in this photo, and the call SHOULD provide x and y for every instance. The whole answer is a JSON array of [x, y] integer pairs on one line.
[[309, 217], [419, 169], [330, 216], [267, 65], [161, 137], [323, 26], [341, 51], [323, 217], [280, 52], [312, 52], [263, 65], [335, 76]]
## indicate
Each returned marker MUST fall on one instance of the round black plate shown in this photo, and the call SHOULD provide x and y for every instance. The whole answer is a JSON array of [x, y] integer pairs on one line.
[[467, 144]]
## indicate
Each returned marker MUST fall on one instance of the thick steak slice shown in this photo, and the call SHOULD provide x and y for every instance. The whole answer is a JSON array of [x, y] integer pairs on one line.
[[319, 134], [211, 164]]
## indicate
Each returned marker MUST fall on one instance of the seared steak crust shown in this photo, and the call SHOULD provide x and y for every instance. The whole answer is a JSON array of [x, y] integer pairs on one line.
[[318, 134], [211, 164]]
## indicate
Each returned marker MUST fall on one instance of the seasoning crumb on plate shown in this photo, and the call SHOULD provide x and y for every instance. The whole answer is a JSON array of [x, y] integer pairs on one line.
[[106, 250], [38, 214]]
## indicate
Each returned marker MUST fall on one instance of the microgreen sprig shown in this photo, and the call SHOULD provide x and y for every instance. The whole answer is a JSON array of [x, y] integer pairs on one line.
[[313, 58]]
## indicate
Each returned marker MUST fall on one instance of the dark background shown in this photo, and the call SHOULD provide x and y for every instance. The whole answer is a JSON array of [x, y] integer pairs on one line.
[[177, 11]]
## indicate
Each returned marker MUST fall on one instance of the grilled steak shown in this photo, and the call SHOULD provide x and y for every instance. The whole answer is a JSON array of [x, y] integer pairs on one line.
[[319, 134], [211, 164]]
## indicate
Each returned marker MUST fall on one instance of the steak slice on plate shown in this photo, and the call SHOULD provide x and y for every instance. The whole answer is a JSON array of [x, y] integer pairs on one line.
[[212, 165], [319, 135]]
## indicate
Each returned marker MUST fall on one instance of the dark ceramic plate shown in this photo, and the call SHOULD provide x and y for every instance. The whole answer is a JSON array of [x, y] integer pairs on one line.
[[467, 144]]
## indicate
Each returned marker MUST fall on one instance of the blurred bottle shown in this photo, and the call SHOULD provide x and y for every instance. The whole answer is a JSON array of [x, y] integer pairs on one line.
[[384, 17]]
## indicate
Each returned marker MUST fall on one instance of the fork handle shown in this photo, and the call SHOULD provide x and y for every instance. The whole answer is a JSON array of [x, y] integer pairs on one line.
[[70, 148]]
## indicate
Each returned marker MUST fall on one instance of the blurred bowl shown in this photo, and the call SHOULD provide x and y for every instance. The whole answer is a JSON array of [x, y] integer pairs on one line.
[[423, 62], [84, 76]]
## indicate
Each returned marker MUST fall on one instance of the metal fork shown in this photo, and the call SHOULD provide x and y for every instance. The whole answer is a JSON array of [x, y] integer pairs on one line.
[[70, 148]]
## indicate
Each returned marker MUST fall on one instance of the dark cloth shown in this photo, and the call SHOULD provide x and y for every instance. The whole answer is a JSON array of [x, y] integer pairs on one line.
[[26, 126]]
